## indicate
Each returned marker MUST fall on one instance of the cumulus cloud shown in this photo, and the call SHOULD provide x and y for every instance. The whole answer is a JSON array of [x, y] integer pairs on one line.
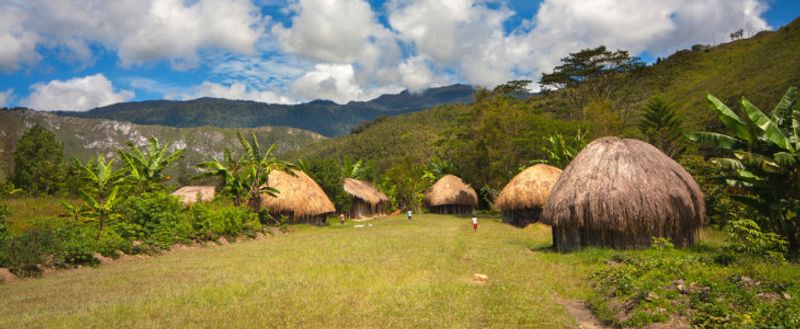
[[335, 82], [138, 30], [5, 97], [18, 45], [234, 91], [76, 94]]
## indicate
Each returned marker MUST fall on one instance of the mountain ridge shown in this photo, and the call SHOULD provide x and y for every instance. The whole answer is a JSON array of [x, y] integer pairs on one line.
[[321, 116]]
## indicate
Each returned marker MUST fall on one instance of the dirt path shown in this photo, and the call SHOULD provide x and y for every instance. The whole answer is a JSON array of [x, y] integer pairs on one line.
[[582, 314]]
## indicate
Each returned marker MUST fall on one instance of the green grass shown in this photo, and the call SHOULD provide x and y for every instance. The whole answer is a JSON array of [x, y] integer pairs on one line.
[[393, 274], [25, 211]]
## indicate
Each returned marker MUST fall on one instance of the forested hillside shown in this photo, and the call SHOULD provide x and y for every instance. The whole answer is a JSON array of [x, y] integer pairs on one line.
[[323, 117], [489, 140]]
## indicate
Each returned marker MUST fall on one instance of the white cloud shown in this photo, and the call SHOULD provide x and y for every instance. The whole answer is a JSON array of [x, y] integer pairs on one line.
[[335, 82], [5, 97], [139, 31], [18, 44], [334, 31], [234, 91], [415, 73], [76, 94]]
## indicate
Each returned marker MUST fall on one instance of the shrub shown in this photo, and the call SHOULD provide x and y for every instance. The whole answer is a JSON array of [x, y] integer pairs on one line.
[[748, 241], [30, 249], [231, 221], [154, 218], [5, 235]]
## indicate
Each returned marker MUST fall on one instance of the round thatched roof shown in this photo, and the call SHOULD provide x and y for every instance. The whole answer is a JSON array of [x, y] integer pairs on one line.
[[188, 194], [298, 194], [528, 189], [451, 190], [626, 186], [364, 191]]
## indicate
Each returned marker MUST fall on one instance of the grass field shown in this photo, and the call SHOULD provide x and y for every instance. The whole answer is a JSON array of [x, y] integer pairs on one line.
[[394, 274]]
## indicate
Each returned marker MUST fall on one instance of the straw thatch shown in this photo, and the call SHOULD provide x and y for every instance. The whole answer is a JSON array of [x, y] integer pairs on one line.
[[450, 195], [524, 196], [300, 198], [621, 192], [368, 201], [190, 194]]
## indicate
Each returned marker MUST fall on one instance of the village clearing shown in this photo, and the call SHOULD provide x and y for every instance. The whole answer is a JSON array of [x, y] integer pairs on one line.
[[395, 274]]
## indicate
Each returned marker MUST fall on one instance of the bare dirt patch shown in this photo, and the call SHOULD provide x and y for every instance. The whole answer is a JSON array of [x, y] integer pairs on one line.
[[583, 315]]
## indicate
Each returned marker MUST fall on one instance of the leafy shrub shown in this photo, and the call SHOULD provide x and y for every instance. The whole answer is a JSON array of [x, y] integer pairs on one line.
[[30, 249], [154, 218], [231, 221], [747, 240], [5, 235]]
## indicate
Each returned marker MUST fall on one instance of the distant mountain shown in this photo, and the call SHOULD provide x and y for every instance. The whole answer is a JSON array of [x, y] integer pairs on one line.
[[83, 138], [320, 116]]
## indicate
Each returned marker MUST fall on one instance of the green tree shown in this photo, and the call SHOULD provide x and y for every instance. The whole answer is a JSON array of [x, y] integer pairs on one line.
[[100, 192], [145, 167], [763, 161], [602, 119], [258, 165], [38, 161], [560, 151], [662, 127]]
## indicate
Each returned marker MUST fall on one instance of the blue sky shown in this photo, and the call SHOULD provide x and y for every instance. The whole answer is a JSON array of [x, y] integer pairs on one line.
[[79, 54]]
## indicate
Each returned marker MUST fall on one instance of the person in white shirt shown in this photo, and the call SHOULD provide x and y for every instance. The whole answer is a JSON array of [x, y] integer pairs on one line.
[[474, 223], [409, 214]]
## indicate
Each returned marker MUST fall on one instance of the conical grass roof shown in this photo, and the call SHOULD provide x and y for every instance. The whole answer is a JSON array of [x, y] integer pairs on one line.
[[451, 190], [364, 191], [188, 194], [528, 189], [298, 194], [621, 192]]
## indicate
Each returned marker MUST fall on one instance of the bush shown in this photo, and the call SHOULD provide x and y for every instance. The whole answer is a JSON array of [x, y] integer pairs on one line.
[[231, 221], [5, 235], [30, 249], [747, 241], [154, 218]]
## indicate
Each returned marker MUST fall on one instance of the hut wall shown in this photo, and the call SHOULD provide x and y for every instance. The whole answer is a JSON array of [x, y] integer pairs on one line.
[[360, 209], [319, 219], [522, 217], [571, 238], [452, 209]]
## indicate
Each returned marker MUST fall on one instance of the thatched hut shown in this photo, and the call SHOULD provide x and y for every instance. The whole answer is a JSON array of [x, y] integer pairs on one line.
[[191, 194], [450, 195], [368, 201], [524, 196], [620, 193], [300, 198]]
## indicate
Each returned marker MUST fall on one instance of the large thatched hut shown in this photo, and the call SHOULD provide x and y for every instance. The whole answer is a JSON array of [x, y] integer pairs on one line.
[[524, 196], [300, 198], [450, 195], [191, 194], [368, 201], [621, 192]]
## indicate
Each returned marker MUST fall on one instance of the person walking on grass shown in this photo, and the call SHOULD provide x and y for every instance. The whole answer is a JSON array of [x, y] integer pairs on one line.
[[474, 223], [341, 218], [409, 214]]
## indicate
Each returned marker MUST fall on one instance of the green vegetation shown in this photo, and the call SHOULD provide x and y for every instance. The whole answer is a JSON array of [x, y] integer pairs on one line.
[[662, 127], [145, 168], [764, 163], [38, 162]]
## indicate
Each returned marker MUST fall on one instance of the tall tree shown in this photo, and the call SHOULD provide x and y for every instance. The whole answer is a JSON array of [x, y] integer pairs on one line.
[[38, 161], [662, 127], [99, 194], [230, 171]]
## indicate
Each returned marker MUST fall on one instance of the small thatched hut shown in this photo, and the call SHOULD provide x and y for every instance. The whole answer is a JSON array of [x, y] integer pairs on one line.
[[368, 201], [300, 198], [450, 195], [621, 192], [524, 196], [190, 194]]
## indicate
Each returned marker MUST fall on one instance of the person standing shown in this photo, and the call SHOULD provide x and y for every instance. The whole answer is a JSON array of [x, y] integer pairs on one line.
[[409, 214], [341, 218], [475, 223]]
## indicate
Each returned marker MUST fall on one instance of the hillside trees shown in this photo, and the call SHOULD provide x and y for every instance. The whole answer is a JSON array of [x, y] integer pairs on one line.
[[763, 161], [38, 161], [662, 127]]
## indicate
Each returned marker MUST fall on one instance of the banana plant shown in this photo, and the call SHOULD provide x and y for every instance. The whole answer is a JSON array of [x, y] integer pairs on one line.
[[99, 193], [145, 167], [258, 165], [230, 170], [763, 159]]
